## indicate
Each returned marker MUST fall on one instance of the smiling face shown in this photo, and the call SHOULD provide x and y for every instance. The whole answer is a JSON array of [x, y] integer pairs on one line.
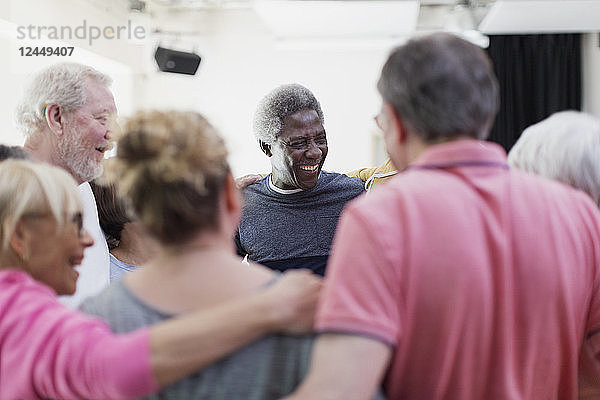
[[54, 251], [87, 133], [299, 152]]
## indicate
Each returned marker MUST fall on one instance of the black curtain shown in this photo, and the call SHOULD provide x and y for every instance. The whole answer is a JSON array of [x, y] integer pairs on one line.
[[538, 75]]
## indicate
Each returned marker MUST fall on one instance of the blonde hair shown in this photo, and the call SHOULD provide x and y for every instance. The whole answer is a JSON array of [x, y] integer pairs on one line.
[[171, 167], [27, 187]]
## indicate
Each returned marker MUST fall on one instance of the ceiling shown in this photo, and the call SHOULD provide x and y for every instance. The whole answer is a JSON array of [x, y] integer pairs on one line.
[[391, 17], [432, 15]]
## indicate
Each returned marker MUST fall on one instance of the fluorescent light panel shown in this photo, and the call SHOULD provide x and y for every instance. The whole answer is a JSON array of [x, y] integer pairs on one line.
[[537, 16], [306, 18]]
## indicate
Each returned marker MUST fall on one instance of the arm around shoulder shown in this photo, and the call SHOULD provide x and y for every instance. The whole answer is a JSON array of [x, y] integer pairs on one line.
[[184, 345], [364, 174], [51, 351]]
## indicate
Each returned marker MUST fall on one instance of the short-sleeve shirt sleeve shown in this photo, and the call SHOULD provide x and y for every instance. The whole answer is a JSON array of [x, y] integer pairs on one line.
[[49, 350]]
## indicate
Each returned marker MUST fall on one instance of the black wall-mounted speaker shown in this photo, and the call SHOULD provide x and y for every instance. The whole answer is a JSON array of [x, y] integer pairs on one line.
[[178, 62]]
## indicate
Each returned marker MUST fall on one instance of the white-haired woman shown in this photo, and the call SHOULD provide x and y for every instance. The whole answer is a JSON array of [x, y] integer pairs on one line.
[[50, 351], [564, 147]]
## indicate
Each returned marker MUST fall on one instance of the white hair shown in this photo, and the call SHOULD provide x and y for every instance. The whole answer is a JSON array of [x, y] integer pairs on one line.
[[28, 187], [564, 147], [282, 101], [62, 84]]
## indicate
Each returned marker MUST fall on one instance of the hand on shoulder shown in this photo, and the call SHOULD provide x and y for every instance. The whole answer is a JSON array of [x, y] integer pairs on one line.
[[244, 181], [294, 298]]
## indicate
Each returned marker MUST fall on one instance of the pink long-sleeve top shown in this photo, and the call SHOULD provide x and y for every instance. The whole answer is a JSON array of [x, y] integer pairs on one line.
[[50, 351]]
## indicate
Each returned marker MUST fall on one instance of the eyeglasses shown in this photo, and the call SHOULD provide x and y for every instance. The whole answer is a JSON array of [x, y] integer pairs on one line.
[[379, 120], [304, 143], [77, 219]]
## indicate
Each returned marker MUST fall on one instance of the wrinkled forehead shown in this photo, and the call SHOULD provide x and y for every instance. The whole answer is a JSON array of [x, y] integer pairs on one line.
[[98, 98], [303, 120]]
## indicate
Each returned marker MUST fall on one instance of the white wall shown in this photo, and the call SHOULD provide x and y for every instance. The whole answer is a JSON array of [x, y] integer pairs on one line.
[[591, 73], [242, 61], [16, 70]]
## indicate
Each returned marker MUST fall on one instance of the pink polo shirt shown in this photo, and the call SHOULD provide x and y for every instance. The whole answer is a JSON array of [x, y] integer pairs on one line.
[[483, 280], [50, 351]]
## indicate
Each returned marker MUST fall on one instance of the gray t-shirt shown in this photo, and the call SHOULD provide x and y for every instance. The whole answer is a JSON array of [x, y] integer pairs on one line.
[[284, 231], [269, 368]]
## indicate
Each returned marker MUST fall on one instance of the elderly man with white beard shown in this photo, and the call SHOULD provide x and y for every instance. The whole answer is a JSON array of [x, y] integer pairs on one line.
[[67, 115]]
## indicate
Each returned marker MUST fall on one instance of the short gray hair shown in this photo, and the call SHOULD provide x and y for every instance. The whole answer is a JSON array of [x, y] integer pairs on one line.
[[278, 104], [62, 84], [564, 147], [442, 87], [28, 187]]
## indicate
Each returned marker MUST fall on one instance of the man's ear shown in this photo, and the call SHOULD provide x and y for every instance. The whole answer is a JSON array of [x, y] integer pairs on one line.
[[54, 118], [397, 126], [266, 148]]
